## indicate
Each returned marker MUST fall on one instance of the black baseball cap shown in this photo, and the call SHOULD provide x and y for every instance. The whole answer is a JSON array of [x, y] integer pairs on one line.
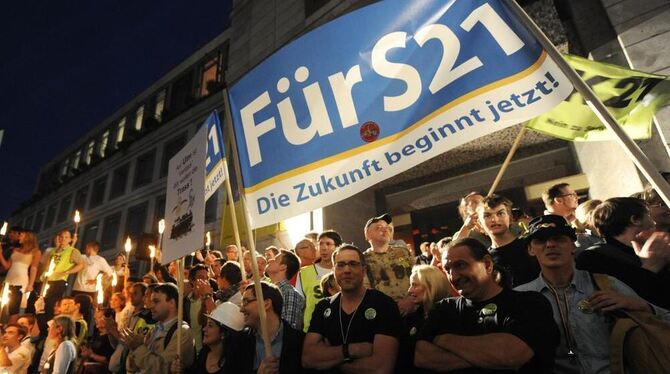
[[544, 227], [384, 217]]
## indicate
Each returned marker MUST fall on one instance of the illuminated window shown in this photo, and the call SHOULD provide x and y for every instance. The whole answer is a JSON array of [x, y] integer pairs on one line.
[[103, 143], [89, 152], [139, 117], [66, 165], [209, 79], [75, 161], [160, 104], [120, 130]]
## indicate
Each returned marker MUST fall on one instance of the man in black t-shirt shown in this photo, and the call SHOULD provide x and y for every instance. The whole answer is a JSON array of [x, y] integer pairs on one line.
[[488, 328], [508, 251], [355, 330]]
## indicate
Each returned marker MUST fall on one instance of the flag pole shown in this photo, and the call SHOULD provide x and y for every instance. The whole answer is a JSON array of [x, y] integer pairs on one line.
[[228, 123], [508, 159], [258, 290], [180, 304], [630, 147]]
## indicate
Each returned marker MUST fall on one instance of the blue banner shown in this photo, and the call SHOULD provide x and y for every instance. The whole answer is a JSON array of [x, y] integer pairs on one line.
[[215, 158], [340, 100]]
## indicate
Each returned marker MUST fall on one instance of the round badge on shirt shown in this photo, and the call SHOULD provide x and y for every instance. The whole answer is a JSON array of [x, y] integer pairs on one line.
[[370, 313], [326, 313]]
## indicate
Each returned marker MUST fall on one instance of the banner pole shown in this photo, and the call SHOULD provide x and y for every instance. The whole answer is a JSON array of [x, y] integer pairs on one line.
[[228, 123], [508, 160], [252, 244], [630, 147], [180, 303]]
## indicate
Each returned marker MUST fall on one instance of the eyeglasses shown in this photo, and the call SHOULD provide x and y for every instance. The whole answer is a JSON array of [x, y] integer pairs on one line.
[[351, 264], [573, 194], [246, 302]]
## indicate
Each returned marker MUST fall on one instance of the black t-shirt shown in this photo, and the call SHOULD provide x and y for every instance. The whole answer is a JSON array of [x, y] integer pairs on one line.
[[377, 314], [514, 259], [526, 315]]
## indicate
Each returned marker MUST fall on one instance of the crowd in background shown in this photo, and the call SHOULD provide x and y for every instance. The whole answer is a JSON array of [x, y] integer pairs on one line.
[[503, 293]]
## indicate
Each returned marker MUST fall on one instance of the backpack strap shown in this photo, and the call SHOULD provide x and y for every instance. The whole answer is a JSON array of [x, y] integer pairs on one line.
[[169, 334]]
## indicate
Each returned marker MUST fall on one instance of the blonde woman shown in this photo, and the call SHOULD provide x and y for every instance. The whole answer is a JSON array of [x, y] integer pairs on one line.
[[427, 285], [22, 266], [62, 359]]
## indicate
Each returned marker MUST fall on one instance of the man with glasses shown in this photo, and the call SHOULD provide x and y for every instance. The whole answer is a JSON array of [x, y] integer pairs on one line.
[[561, 200], [632, 251], [580, 310], [285, 341], [357, 329], [508, 251]]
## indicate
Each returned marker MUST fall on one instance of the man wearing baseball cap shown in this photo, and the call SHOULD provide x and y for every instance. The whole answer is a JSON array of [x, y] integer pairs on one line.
[[389, 263], [579, 309]]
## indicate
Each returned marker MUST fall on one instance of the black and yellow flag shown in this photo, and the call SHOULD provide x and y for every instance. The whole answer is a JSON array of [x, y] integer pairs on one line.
[[633, 97]]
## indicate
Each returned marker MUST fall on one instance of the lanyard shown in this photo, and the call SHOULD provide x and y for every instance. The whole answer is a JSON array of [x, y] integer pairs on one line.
[[564, 313]]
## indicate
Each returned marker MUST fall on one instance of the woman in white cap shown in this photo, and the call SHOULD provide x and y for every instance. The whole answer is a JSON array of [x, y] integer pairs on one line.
[[216, 355]]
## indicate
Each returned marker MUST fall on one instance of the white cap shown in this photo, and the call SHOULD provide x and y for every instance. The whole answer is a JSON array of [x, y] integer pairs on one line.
[[229, 315]]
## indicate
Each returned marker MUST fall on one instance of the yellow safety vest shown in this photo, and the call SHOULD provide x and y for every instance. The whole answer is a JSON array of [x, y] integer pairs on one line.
[[311, 288], [63, 263]]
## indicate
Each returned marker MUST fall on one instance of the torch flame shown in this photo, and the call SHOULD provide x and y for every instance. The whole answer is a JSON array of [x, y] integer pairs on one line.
[[50, 270], [98, 289], [77, 216], [161, 226], [5, 295], [209, 239], [45, 289], [152, 252], [128, 245], [115, 280], [3, 230]]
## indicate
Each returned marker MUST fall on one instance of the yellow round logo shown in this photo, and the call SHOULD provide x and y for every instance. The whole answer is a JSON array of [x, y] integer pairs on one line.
[[370, 313]]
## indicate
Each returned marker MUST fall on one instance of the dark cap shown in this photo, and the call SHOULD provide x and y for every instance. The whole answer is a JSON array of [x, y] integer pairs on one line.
[[384, 217], [543, 227]]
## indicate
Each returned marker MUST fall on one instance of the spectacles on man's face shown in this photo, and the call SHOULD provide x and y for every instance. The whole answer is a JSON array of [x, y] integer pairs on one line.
[[573, 194], [246, 302], [351, 264]]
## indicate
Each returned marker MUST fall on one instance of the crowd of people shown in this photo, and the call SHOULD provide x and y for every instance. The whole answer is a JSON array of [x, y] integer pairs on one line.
[[503, 294]]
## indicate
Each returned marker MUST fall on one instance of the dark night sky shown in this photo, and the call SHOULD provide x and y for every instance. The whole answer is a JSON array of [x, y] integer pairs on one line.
[[67, 65]]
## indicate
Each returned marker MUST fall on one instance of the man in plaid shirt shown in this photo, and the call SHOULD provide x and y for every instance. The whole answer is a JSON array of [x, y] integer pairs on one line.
[[280, 270]]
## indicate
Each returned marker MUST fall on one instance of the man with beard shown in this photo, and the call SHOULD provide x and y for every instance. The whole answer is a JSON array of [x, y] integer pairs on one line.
[[154, 352], [357, 329], [489, 328]]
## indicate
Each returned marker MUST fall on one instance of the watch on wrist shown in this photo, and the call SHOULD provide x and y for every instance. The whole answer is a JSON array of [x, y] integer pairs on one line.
[[345, 353]]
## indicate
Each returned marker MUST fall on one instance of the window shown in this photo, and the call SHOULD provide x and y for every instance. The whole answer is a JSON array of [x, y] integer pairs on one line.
[[89, 152], [98, 193], [64, 209], [119, 179], [28, 222], [90, 233], [51, 213], [139, 117], [75, 160], [210, 207], [311, 6], [37, 225], [110, 231], [144, 169], [104, 140], [80, 198], [136, 220], [182, 92], [64, 170], [120, 129], [209, 79], [170, 149], [160, 104]]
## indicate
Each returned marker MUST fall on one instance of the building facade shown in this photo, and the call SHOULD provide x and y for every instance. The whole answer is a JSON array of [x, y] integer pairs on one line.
[[116, 174]]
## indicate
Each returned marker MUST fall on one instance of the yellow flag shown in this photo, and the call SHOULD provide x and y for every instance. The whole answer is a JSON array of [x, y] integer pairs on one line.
[[633, 97]]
